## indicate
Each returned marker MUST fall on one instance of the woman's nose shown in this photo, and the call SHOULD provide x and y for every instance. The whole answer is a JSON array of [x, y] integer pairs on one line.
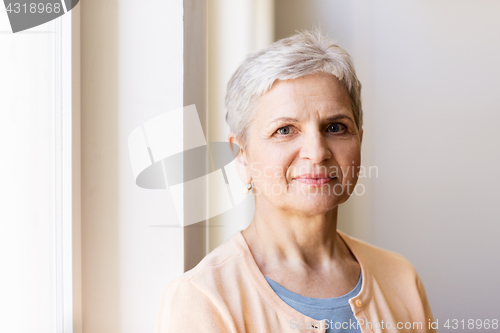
[[315, 148]]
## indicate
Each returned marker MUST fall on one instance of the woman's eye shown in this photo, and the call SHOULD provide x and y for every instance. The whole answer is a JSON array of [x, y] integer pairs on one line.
[[284, 130], [335, 128]]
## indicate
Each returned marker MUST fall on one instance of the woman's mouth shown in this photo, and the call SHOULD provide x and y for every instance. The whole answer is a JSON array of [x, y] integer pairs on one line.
[[315, 181]]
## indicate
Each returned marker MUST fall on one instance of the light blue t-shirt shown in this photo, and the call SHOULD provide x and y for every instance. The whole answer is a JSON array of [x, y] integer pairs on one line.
[[337, 309]]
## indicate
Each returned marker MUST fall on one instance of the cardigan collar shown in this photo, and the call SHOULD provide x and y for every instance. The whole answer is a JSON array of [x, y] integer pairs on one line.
[[358, 303]]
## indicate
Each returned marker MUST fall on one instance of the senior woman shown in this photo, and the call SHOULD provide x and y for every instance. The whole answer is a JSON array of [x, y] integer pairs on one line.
[[294, 110]]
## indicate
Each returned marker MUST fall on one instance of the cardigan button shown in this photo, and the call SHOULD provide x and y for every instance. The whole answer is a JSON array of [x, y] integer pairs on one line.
[[359, 303]]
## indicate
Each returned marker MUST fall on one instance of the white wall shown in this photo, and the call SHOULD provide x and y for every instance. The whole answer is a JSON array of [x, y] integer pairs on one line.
[[39, 196], [28, 194], [430, 72], [132, 71]]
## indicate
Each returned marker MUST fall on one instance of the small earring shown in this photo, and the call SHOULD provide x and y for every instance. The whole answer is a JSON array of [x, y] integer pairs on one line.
[[248, 188]]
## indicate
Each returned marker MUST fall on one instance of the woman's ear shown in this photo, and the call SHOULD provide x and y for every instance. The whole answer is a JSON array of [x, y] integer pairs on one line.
[[241, 158], [361, 137]]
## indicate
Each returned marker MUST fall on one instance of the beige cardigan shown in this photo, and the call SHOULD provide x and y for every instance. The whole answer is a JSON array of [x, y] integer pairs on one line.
[[226, 292]]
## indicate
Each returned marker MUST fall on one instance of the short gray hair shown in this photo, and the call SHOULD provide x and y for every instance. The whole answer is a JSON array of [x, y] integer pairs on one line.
[[305, 53]]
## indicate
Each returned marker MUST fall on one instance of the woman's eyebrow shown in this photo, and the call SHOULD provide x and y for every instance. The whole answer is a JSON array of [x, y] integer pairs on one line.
[[339, 116], [285, 119], [294, 120]]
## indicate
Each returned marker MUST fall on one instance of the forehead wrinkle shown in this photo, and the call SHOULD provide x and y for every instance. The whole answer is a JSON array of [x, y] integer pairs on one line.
[[287, 105], [322, 112], [288, 100]]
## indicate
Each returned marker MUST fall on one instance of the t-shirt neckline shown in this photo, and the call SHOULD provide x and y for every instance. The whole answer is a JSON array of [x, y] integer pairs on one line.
[[312, 302]]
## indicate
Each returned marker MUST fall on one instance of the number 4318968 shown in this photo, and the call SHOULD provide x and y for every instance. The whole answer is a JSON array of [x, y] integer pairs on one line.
[[33, 8], [471, 324]]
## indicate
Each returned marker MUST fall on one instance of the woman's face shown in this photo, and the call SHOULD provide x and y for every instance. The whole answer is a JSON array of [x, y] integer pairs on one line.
[[303, 149]]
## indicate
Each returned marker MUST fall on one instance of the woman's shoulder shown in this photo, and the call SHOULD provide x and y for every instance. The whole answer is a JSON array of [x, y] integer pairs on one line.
[[203, 295], [218, 259], [218, 272], [377, 258]]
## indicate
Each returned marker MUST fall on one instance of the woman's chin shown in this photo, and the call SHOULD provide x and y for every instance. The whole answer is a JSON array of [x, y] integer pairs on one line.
[[314, 205]]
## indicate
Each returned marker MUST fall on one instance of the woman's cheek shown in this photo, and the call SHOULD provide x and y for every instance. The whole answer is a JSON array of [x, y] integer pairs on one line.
[[255, 169]]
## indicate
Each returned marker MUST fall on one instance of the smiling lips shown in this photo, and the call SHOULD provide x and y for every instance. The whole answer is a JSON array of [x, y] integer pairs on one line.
[[314, 179]]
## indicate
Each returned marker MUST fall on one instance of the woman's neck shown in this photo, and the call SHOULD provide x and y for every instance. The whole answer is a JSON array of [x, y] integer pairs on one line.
[[278, 236]]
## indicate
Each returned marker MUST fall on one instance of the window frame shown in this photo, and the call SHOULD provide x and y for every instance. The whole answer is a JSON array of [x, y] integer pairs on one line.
[[67, 173]]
